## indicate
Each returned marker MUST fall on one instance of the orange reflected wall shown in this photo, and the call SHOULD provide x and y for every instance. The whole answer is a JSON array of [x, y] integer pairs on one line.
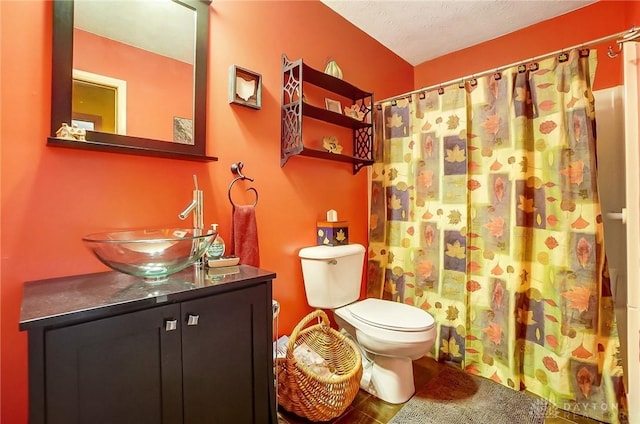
[[158, 88]]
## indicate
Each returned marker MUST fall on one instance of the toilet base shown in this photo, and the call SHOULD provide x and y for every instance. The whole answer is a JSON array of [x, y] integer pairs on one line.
[[388, 378]]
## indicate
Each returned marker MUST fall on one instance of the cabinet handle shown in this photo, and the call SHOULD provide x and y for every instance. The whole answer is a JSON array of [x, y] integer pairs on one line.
[[192, 319], [170, 324]]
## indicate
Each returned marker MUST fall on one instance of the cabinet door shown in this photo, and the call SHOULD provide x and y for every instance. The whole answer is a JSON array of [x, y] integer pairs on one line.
[[227, 358], [124, 369]]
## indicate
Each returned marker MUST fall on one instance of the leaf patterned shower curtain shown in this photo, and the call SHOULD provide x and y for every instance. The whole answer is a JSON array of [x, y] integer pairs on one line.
[[485, 213]]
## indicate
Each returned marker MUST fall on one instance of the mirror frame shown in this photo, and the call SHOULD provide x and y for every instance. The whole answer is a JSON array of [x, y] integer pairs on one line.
[[61, 91]]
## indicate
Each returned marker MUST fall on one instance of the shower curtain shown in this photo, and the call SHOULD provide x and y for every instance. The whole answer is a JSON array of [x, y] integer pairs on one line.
[[485, 213]]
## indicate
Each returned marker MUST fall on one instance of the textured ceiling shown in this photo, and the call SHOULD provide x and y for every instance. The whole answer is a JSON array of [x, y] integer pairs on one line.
[[420, 30]]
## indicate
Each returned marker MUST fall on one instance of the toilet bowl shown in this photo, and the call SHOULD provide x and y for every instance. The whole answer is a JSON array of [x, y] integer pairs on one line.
[[389, 334]]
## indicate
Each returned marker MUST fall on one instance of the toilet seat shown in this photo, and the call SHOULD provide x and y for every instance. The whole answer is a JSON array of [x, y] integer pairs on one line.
[[390, 315], [390, 329]]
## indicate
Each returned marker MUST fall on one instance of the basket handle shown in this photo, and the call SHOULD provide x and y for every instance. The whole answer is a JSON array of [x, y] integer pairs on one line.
[[318, 313]]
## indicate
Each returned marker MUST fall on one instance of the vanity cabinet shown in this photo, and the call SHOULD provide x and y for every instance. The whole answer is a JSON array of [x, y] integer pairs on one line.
[[296, 77], [192, 352]]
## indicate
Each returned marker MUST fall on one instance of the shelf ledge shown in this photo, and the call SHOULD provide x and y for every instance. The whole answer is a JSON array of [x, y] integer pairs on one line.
[[132, 150]]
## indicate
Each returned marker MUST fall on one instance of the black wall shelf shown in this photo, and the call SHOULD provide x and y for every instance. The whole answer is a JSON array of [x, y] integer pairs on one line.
[[295, 75]]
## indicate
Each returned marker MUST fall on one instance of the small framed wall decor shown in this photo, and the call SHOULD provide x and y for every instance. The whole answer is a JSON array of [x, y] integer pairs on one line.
[[245, 87], [333, 105], [182, 130]]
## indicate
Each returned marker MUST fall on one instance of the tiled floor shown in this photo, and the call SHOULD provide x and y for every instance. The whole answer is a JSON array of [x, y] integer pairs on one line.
[[367, 409]]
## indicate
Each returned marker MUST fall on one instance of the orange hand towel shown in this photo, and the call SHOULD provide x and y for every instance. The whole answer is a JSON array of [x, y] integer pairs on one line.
[[244, 235]]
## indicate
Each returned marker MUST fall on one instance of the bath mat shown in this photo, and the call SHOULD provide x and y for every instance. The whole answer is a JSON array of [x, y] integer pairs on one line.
[[454, 396]]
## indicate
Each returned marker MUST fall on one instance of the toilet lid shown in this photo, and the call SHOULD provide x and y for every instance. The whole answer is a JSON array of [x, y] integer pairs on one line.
[[391, 315]]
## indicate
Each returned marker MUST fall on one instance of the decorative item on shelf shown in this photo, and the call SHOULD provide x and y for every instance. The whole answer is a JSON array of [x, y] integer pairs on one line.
[[333, 69], [245, 87], [304, 98], [78, 133], [354, 112], [331, 144], [333, 105], [71, 132], [64, 131], [332, 232]]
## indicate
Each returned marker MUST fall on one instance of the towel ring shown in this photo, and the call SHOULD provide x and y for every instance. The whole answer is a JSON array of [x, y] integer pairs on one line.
[[236, 168], [255, 202]]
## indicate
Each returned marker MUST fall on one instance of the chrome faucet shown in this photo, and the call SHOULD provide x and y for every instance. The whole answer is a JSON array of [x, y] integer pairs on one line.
[[196, 206]]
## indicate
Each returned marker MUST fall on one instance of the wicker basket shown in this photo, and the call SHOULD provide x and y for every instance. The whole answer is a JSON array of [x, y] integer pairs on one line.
[[306, 393]]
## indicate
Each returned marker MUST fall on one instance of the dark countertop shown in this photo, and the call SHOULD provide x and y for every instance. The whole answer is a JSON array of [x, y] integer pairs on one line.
[[66, 300]]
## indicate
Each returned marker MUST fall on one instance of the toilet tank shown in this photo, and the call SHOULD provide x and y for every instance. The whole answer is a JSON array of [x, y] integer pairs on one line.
[[332, 274]]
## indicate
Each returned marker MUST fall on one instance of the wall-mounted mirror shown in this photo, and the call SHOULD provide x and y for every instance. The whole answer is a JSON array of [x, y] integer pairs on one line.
[[132, 76]]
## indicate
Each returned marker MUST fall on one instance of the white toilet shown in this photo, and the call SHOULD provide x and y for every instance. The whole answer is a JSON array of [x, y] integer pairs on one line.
[[390, 334]]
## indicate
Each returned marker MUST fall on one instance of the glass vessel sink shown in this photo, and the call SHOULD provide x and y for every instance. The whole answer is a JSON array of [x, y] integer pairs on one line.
[[151, 254]]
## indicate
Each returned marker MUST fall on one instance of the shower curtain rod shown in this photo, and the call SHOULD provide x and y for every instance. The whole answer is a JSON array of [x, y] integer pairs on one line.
[[629, 35]]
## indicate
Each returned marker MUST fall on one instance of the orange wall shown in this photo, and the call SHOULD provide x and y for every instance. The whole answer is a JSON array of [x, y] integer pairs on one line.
[[595, 21], [51, 197]]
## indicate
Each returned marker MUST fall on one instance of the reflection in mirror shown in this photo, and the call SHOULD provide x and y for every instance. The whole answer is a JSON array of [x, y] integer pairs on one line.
[[132, 74], [99, 103], [140, 54]]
